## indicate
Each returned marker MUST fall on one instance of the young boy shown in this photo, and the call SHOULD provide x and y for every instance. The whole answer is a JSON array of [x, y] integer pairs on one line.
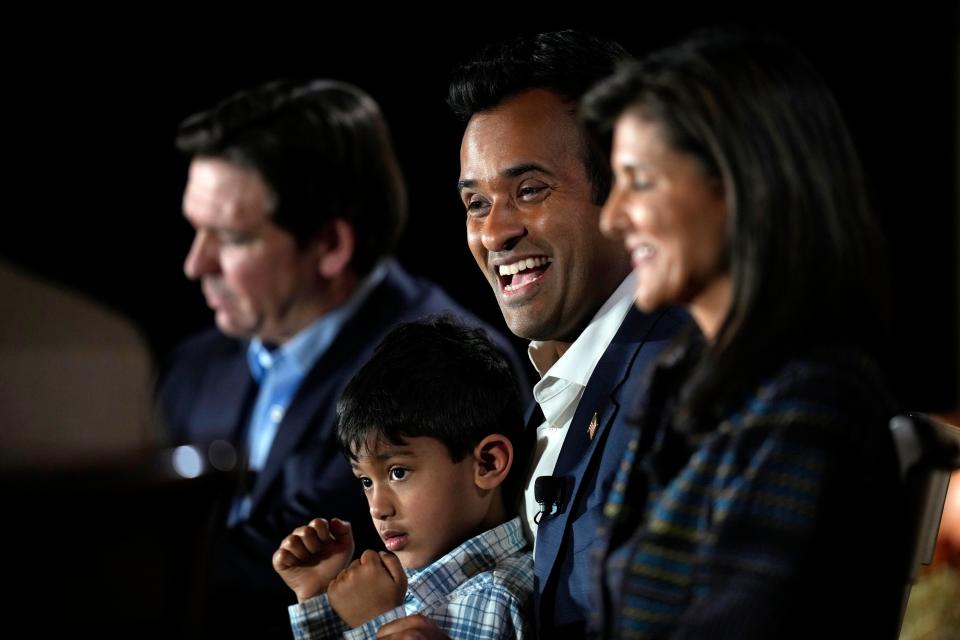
[[428, 424]]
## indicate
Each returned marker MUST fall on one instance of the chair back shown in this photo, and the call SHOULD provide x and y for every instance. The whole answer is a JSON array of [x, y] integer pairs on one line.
[[926, 455]]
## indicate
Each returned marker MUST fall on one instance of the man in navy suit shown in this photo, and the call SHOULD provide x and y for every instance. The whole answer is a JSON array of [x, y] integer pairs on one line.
[[297, 200], [532, 187]]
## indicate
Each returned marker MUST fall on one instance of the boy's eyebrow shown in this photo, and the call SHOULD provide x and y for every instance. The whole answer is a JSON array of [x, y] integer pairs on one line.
[[388, 454]]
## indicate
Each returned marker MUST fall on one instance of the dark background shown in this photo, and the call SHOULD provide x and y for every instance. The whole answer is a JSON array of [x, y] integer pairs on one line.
[[93, 182]]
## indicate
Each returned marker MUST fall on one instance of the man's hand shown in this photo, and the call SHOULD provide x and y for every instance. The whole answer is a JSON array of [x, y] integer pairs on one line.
[[372, 585], [312, 556], [415, 627]]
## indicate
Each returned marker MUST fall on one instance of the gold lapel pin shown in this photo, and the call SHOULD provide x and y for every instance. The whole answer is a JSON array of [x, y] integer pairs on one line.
[[592, 429]]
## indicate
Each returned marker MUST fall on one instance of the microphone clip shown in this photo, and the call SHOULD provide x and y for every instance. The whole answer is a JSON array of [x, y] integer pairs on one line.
[[548, 492]]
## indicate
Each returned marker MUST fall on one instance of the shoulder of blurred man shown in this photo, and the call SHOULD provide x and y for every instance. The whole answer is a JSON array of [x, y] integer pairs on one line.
[[210, 367]]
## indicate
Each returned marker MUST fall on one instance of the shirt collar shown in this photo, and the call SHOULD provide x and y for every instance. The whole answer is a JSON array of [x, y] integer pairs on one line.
[[480, 553], [578, 362], [305, 348]]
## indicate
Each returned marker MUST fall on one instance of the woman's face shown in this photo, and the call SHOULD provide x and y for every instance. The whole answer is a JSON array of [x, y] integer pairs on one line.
[[672, 218]]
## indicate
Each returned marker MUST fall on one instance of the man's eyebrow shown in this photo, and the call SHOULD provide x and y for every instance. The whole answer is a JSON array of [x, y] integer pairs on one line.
[[509, 172], [527, 167]]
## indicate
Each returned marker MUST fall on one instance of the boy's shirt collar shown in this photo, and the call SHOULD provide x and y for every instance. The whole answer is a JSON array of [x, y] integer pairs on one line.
[[480, 553]]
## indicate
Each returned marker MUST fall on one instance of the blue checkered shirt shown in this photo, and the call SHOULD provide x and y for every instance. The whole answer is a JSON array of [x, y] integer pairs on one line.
[[482, 589]]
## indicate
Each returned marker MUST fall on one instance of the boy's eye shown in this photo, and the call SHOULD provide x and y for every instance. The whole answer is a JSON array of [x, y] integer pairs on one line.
[[398, 473], [366, 483]]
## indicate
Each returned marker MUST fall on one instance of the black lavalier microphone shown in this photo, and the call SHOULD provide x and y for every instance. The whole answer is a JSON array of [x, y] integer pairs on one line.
[[548, 492]]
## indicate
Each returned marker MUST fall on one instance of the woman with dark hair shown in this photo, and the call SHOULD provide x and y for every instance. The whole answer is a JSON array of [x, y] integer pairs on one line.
[[760, 496]]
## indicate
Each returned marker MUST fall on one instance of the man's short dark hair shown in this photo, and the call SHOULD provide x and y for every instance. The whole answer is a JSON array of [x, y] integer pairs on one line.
[[324, 150], [566, 62], [432, 378]]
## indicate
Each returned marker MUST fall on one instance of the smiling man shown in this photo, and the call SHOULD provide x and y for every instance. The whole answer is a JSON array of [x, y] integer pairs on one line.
[[532, 217], [297, 201], [532, 188]]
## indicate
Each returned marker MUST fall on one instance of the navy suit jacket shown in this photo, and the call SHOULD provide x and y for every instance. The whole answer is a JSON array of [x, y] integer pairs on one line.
[[208, 393], [563, 565]]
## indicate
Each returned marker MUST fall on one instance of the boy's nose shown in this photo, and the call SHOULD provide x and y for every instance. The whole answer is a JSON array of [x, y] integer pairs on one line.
[[381, 506]]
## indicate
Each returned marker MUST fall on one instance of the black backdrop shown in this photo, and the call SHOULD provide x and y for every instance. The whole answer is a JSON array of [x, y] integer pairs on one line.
[[94, 185]]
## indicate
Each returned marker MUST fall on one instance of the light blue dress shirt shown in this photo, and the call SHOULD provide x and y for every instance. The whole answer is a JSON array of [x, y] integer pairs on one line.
[[279, 372]]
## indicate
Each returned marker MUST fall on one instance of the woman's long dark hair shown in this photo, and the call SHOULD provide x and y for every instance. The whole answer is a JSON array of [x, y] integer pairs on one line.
[[805, 250]]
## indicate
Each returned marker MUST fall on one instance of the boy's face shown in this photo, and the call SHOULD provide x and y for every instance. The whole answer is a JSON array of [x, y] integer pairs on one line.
[[422, 502]]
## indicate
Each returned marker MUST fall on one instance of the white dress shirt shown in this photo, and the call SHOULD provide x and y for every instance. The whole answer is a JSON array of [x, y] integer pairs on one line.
[[562, 381]]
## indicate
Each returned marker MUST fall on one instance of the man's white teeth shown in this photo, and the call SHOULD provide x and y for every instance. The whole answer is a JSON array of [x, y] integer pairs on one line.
[[522, 265], [642, 252]]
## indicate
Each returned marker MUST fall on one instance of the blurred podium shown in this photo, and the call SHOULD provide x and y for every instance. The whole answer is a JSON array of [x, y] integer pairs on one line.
[[119, 548]]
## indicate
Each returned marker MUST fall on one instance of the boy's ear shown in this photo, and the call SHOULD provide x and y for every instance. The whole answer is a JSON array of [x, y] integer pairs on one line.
[[335, 247], [493, 457]]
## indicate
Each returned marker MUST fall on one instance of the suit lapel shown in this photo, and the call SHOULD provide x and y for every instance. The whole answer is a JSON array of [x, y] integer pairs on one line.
[[523, 451], [222, 417], [601, 398], [315, 401], [314, 398]]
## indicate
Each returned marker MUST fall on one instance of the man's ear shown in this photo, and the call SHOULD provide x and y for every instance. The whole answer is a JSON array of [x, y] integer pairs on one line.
[[335, 247], [493, 457]]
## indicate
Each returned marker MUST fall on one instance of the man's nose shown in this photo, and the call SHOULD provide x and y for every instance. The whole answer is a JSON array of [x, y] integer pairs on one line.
[[202, 258], [503, 227]]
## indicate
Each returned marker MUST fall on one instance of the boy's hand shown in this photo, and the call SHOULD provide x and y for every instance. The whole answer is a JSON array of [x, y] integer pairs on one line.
[[372, 585], [310, 557]]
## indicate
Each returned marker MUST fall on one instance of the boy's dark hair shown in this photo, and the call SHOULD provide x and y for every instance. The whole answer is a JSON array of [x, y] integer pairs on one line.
[[432, 378]]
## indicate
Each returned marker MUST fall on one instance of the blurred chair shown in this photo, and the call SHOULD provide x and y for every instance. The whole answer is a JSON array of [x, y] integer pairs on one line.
[[119, 549], [927, 455], [75, 376]]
